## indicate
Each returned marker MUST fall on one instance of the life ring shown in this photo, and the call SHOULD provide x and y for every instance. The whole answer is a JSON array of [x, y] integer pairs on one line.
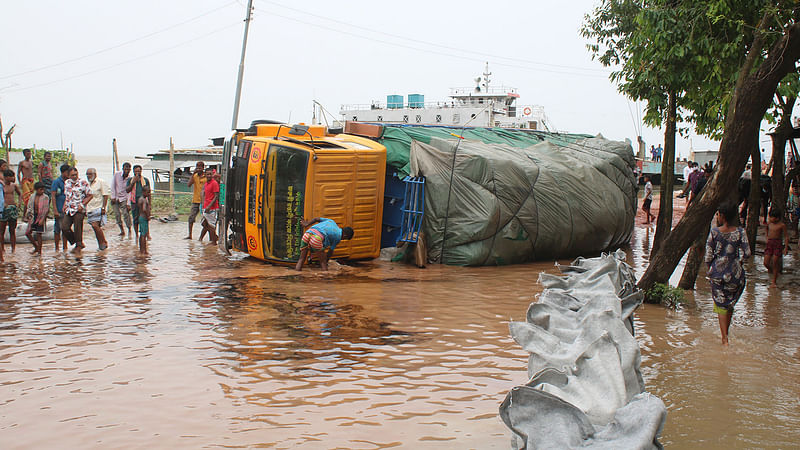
[[527, 111]]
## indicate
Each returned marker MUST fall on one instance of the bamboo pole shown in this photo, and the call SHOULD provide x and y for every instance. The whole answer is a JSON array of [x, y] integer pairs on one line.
[[172, 174], [115, 156]]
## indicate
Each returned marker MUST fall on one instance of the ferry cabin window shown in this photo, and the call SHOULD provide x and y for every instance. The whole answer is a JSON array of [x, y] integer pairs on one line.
[[438, 118], [418, 118], [290, 167], [405, 119], [380, 118]]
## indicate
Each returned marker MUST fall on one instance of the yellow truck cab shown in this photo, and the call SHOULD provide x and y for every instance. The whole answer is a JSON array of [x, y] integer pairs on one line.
[[278, 174]]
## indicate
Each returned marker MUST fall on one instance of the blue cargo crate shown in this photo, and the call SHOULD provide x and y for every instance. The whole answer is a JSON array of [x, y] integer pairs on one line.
[[413, 209]]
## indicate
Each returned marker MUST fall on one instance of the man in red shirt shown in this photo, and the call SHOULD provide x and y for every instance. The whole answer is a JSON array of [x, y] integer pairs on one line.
[[210, 206]]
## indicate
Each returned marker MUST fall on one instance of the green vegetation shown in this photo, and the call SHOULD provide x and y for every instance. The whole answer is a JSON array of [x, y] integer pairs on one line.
[[665, 295], [162, 204]]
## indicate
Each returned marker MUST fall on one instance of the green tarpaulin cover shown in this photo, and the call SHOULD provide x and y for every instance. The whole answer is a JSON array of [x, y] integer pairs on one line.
[[499, 196]]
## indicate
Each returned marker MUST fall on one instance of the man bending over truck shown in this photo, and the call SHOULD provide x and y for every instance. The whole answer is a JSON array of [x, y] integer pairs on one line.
[[324, 235]]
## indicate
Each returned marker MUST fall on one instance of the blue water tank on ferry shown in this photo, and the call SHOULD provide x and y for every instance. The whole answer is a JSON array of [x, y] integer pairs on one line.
[[394, 101], [416, 101]]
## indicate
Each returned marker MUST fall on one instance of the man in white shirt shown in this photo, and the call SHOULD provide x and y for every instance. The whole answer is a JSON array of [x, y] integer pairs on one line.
[[96, 208], [120, 198], [648, 199]]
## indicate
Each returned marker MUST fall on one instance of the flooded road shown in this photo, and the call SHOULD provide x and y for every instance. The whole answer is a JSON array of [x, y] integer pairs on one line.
[[186, 348]]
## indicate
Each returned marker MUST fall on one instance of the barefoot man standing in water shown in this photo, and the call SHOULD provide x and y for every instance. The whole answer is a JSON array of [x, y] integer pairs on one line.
[[197, 182], [25, 175], [210, 206], [325, 234], [96, 208]]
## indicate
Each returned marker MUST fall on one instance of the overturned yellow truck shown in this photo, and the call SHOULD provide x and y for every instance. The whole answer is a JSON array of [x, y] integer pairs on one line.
[[278, 174], [479, 196]]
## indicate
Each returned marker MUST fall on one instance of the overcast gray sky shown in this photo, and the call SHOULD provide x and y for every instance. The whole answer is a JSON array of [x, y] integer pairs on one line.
[[145, 70]]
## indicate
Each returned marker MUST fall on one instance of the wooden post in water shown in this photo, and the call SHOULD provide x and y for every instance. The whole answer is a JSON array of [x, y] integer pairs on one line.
[[115, 156], [172, 174]]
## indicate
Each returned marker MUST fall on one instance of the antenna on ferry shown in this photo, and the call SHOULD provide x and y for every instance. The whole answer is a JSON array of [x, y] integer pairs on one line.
[[314, 113], [486, 79], [241, 65]]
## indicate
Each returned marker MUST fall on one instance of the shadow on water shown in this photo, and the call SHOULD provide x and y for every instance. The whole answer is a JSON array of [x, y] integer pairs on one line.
[[250, 308]]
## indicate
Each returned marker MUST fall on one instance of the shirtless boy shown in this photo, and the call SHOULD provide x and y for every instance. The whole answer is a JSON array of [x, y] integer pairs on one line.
[[38, 207], [25, 175], [143, 206], [10, 212], [776, 234]]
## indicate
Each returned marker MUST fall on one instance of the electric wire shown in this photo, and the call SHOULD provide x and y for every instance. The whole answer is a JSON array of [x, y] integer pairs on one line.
[[630, 111], [419, 49], [172, 47], [433, 44], [114, 47]]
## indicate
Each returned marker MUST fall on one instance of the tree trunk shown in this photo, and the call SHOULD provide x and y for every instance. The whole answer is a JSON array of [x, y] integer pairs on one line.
[[790, 177], [754, 201], [664, 220], [749, 102], [779, 137], [694, 260]]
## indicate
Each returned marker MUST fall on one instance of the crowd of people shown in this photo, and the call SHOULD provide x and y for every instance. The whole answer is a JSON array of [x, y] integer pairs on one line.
[[727, 246], [71, 200]]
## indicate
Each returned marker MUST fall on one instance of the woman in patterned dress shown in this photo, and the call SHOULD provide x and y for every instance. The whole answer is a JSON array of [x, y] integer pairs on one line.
[[726, 248]]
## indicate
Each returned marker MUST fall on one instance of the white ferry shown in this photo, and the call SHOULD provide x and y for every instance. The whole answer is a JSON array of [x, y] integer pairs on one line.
[[480, 106]]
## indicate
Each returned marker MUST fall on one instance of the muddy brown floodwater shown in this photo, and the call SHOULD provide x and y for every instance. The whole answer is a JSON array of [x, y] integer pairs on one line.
[[187, 348]]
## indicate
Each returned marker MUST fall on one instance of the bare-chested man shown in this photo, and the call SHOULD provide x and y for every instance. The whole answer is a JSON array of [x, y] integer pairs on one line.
[[25, 177], [10, 213]]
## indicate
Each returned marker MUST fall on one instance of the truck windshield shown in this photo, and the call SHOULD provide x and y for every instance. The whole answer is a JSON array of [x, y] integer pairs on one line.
[[288, 168]]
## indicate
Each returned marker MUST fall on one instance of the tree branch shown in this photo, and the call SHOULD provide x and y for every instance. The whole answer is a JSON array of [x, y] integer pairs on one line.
[[750, 59]]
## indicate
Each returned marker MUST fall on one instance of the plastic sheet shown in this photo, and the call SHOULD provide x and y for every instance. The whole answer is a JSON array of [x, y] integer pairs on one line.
[[585, 387], [497, 203]]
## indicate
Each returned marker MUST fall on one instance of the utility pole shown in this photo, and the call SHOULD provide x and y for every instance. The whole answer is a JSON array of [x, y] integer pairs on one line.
[[172, 174], [241, 66]]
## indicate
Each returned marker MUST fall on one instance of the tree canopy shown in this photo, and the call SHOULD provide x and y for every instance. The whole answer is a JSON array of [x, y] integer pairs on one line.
[[692, 48], [725, 58]]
